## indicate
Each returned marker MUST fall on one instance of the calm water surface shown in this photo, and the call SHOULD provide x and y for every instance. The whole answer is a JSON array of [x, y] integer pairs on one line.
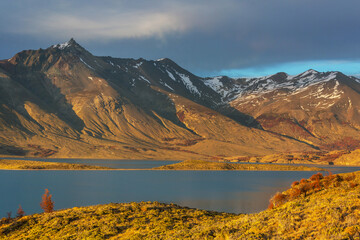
[[229, 191]]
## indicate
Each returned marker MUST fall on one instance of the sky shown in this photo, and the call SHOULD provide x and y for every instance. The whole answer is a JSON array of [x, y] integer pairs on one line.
[[239, 38]]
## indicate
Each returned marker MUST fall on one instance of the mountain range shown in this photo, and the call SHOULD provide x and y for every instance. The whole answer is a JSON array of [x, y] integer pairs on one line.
[[65, 102]]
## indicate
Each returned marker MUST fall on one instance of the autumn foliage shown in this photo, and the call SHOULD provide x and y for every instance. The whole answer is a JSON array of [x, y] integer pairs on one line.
[[305, 187], [20, 212], [46, 203]]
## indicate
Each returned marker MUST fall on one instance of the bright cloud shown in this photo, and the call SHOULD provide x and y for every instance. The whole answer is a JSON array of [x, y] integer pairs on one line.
[[115, 19]]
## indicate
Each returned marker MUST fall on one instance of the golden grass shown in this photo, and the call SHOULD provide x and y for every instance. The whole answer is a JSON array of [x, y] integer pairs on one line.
[[329, 212], [41, 165], [207, 165]]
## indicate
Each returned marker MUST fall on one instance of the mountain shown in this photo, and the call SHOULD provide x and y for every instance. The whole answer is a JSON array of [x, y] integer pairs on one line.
[[320, 108], [64, 102]]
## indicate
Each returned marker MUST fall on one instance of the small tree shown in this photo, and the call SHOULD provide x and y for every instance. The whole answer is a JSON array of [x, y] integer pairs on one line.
[[20, 212], [8, 216], [47, 204]]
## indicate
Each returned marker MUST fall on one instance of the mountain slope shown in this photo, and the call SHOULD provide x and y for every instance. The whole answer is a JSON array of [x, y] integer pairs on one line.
[[65, 102], [319, 108]]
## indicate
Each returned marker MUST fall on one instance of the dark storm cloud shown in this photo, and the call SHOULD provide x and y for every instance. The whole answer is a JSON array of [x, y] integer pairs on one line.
[[203, 36]]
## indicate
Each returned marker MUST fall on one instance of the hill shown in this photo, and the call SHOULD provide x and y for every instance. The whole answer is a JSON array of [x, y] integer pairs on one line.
[[328, 208]]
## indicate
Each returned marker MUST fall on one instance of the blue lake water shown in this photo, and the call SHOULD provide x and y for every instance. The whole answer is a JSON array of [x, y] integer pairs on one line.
[[229, 191]]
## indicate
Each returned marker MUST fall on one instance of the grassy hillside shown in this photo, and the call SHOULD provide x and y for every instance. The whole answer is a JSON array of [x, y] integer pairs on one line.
[[40, 165], [316, 208], [206, 165], [352, 158]]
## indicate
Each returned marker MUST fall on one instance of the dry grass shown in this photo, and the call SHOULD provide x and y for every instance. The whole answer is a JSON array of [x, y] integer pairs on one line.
[[40, 165], [206, 165]]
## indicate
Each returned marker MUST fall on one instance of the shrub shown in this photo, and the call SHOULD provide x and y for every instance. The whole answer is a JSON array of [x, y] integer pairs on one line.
[[20, 212], [294, 193], [303, 181], [315, 184], [316, 177], [271, 205], [352, 184], [47, 204], [294, 184], [278, 199], [350, 177], [304, 188]]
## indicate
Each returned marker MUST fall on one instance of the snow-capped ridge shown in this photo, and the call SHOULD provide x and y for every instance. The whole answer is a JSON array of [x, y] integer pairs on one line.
[[64, 45]]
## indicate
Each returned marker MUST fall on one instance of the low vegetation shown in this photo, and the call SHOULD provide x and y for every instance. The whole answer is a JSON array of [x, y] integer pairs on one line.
[[206, 165], [41, 165], [322, 207], [323, 158], [352, 158]]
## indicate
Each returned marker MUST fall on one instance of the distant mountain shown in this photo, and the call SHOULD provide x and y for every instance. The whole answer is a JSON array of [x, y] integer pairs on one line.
[[65, 102], [322, 109]]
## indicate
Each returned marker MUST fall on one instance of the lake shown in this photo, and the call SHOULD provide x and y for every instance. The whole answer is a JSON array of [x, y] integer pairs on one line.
[[228, 191]]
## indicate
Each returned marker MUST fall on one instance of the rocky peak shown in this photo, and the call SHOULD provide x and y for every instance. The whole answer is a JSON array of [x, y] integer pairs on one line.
[[70, 46]]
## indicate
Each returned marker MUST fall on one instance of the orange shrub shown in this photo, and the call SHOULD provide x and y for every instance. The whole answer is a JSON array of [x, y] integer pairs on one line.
[[278, 199], [316, 177], [294, 184], [304, 188], [352, 184], [47, 204], [294, 193]]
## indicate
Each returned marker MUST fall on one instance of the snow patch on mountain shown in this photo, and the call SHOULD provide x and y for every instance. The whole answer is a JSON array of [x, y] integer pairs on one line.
[[138, 65], [144, 79], [171, 75], [214, 83], [62, 46], [86, 64], [188, 84]]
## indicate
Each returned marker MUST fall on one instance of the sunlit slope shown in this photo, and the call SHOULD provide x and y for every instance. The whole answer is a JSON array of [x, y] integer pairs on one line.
[[65, 102]]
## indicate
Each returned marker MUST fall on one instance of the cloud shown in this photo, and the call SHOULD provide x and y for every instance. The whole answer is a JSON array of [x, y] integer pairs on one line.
[[201, 35], [109, 27], [114, 19]]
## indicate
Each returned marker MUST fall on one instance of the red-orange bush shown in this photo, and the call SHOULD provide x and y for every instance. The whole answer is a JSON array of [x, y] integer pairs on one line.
[[46, 203], [316, 177], [304, 188], [303, 181], [278, 199], [294, 184], [294, 193], [315, 184], [352, 184]]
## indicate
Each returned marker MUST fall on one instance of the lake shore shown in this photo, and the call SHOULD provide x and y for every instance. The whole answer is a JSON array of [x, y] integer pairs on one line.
[[297, 213], [6, 164], [189, 165]]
